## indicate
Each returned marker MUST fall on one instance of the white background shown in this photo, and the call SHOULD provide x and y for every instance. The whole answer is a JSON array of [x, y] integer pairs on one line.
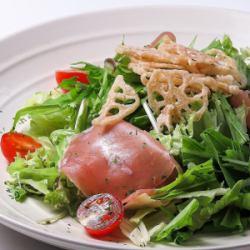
[[16, 15]]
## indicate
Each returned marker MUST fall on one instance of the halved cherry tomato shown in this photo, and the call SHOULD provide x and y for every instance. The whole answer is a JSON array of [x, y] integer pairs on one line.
[[14, 143], [158, 39], [61, 75], [100, 214]]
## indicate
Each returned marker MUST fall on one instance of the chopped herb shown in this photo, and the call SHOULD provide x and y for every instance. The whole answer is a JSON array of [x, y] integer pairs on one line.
[[116, 159]]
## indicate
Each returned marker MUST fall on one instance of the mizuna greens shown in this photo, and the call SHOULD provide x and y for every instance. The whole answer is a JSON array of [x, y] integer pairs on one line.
[[213, 192]]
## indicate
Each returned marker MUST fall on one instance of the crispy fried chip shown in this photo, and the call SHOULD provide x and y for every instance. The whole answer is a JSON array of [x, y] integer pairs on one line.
[[172, 92], [229, 62], [179, 79], [213, 62], [140, 67], [171, 55], [122, 101]]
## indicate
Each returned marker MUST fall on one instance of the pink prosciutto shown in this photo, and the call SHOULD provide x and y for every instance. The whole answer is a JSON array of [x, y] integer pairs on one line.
[[242, 98], [117, 160]]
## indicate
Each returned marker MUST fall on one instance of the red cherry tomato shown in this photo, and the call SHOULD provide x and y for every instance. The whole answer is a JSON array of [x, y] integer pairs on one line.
[[100, 214], [61, 75], [14, 143], [158, 39]]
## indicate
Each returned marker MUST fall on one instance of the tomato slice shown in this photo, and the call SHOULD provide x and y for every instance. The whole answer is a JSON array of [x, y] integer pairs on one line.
[[81, 76], [14, 143], [159, 38], [100, 214]]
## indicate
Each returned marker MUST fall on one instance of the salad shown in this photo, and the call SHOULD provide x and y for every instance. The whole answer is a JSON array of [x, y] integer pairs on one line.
[[154, 143]]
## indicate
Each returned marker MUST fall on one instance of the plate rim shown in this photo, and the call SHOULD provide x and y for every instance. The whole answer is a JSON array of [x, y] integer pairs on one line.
[[126, 8], [26, 229]]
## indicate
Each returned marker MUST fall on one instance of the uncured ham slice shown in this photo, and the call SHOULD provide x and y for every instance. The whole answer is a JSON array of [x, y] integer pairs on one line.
[[118, 160], [242, 98]]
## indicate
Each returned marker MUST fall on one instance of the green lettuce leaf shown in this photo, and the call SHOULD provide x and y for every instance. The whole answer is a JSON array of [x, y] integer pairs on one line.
[[40, 97], [43, 119], [173, 141], [227, 47], [60, 139], [229, 198], [231, 157], [182, 220], [122, 69], [38, 175], [65, 197], [47, 112], [220, 213], [236, 126], [196, 178]]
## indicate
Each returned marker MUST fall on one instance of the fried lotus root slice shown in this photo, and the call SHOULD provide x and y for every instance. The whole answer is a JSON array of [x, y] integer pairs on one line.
[[172, 92], [230, 63], [172, 55], [145, 54], [122, 101], [224, 84], [213, 62], [146, 68]]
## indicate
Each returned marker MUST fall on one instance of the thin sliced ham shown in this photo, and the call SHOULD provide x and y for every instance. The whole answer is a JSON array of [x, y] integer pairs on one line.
[[243, 98], [118, 160], [141, 199]]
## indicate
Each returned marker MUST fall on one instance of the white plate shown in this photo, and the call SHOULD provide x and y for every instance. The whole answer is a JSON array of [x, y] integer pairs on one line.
[[27, 64]]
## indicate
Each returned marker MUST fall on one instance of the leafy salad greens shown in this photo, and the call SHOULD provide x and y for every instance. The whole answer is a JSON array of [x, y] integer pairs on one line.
[[213, 192]]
